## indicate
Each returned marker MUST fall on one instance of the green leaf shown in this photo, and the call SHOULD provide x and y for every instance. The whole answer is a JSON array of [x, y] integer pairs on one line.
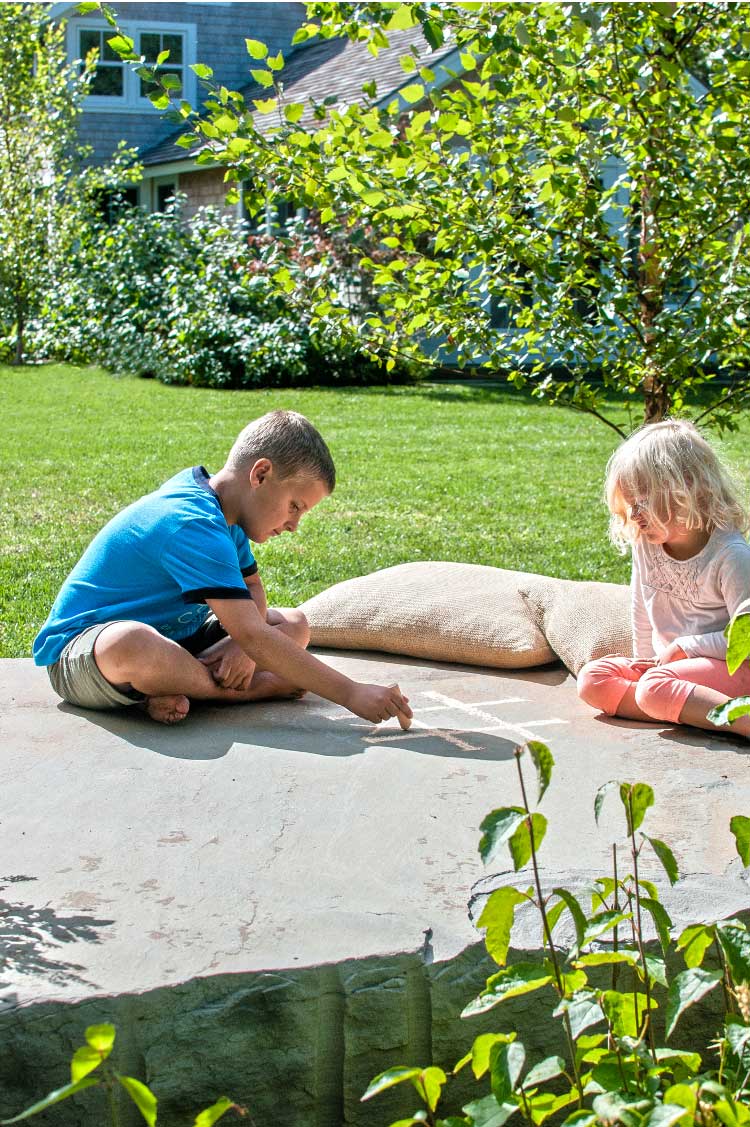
[[226, 123], [662, 921], [212, 1114], [729, 712], [276, 62], [262, 77], [624, 1012], [576, 911], [256, 49], [510, 982], [84, 1061], [265, 105], [402, 19], [170, 82], [740, 828], [547, 1069], [543, 761], [738, 642], [583, 1010], [666, 856], [636, 798], [388, 1079], [686, 988], [664, 1115], [497, 916], [497, 828], [86, 6], [429, 1084], [412, 93], [506, 1063], [487, 1112], [121, 45], [602, 923], [735, 943], [520, 844], [54, 1098], [293, 112], [601, 794], [143, 1098], [695, 941], [201, 70], [101, 1038], [481, 1049]]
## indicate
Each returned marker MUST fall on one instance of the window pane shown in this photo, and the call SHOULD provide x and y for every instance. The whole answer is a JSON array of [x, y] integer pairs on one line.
[[107, 82], [89, 39], [173, 44], [150, 45]]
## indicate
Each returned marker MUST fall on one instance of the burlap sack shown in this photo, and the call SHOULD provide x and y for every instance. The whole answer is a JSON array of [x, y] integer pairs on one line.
[[580, 620], [439, 611]]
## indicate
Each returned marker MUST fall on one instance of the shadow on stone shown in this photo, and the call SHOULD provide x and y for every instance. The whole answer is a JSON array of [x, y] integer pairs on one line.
[[209, 732], [27, 933]]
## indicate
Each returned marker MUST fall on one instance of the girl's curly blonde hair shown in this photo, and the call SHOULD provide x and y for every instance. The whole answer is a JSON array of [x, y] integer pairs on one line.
[[671, 473]]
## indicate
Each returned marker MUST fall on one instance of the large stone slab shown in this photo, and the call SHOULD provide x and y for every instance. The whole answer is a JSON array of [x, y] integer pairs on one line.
[[272, 899]]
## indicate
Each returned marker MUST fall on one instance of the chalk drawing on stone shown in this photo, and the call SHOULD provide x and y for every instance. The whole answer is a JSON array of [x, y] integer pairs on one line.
[[452, 721]]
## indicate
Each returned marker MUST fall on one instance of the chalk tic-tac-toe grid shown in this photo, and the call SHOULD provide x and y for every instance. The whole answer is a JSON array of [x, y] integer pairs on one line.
[[437, 716]]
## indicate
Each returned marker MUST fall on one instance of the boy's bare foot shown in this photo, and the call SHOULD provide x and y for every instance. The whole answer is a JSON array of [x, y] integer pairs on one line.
[[167, 710]]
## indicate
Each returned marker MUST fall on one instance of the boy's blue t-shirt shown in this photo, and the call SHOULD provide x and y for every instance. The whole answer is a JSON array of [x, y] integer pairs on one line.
[[155, 562]]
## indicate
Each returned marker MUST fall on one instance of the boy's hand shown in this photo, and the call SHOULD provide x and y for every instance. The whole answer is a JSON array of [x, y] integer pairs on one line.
[[229, 665], [377, 703]]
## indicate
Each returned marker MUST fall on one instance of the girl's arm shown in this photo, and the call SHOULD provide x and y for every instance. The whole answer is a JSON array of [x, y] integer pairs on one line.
[[643, 645]]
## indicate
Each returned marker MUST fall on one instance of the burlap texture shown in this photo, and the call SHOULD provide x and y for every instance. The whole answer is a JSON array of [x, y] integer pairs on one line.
[[440, 611], [580, 620]]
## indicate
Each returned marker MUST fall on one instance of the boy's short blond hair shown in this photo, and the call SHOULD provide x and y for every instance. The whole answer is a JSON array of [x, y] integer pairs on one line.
[[670, 472], [290, 442]]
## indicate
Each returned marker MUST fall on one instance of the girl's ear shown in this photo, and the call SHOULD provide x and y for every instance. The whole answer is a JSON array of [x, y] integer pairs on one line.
[[259, 472]]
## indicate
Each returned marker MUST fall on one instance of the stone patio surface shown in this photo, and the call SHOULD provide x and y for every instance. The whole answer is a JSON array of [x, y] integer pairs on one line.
[[290, 851]]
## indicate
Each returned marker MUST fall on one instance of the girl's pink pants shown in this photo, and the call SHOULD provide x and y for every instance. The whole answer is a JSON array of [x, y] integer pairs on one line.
[[661, 690]]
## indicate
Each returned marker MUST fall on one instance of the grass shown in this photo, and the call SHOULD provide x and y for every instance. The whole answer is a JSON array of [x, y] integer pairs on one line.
[[442, 472]]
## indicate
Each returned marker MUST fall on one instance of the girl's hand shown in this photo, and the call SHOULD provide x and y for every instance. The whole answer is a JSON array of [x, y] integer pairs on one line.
[[673, 652]]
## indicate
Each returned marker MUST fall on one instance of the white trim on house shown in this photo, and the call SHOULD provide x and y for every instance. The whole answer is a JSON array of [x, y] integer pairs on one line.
[[131, 101]]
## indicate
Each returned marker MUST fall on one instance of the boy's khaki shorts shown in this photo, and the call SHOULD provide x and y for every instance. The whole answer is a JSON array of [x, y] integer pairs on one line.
[[76, 677]]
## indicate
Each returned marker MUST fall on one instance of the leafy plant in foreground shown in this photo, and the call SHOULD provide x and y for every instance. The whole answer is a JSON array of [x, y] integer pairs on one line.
[[615, 1069], [93, 1057]]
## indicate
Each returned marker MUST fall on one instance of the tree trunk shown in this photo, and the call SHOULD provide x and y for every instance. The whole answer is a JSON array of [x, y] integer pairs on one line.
[[20, 326]]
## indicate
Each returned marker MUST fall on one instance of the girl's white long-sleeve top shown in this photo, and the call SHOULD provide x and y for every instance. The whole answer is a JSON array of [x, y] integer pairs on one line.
[[688, 601]]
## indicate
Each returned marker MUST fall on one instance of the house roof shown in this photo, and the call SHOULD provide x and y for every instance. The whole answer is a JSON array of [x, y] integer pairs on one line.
[[329, 68]]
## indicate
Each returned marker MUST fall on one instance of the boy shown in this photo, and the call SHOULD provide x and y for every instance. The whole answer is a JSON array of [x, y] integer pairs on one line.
[[166, 604]]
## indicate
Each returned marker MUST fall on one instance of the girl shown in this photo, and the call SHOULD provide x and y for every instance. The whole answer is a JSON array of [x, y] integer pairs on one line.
[[672, 502]]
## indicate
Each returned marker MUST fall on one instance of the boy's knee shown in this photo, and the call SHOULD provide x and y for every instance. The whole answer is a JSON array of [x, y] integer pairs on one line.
[[300, 627], [128, 643], [293, 623]]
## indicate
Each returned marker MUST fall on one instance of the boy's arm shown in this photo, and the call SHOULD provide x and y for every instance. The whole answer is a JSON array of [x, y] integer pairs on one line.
[[254, 584], [272, 650]]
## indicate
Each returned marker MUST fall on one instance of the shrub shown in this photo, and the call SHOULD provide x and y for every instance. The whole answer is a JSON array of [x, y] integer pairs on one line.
[[190, 302]]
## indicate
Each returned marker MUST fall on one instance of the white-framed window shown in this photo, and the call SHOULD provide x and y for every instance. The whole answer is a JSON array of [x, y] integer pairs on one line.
[[115, 85]]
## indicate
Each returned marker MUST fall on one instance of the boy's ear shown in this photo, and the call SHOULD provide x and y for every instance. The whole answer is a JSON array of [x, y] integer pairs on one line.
[[260, 471]]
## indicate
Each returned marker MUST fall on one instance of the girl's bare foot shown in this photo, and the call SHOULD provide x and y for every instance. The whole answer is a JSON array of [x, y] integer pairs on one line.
[[167, 710]]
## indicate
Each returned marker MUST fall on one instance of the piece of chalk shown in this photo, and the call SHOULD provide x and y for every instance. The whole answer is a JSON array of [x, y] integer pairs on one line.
[[404, 721]]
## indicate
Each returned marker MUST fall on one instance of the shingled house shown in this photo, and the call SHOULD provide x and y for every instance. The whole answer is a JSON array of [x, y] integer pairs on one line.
[[214, 33]]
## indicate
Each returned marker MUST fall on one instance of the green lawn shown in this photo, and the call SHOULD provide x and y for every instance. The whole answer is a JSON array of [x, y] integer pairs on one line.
[[437, 472]]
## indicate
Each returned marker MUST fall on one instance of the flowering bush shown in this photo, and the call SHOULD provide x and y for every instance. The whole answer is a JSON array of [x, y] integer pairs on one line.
[[193, 302]]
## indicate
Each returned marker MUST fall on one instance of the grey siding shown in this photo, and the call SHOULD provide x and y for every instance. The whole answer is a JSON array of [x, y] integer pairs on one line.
[[221, 30]]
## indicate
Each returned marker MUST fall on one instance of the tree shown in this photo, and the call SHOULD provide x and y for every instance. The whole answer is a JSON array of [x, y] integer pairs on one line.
[[572, 209], [43, 199]]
